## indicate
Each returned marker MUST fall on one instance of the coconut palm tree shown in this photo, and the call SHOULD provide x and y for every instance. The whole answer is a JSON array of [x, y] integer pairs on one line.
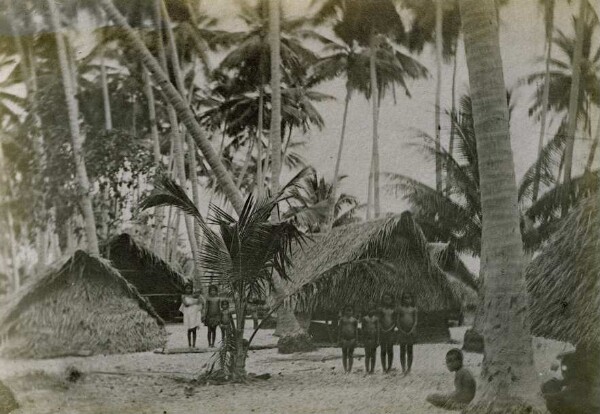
[[76, 138], [507, 370], [275, 50], [183, 110], [435, 22]]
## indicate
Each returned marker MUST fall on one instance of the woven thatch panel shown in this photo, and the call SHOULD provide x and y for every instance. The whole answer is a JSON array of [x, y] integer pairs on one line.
[[563, 280], [83, 307], [405, 265]]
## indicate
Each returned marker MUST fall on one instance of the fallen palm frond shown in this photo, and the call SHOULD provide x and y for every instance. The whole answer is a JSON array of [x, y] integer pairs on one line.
[[564, 279], [83, 306]]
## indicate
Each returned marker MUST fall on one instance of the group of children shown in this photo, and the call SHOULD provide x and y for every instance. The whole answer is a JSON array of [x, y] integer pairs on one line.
[[217, 314], [389, 324], [383, 326]]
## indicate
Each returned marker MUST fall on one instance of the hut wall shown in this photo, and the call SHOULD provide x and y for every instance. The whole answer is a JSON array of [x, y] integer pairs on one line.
[[87, 316]]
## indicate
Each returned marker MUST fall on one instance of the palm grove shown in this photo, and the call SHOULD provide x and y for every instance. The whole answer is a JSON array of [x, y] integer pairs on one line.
[[166, 109]]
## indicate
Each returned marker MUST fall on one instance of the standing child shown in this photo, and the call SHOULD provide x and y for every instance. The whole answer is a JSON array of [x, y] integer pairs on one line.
[[464, 384], [191, 307], [387, 323], [347, 337], [370, 331], [213, 314], [407, 331], [226, 319]]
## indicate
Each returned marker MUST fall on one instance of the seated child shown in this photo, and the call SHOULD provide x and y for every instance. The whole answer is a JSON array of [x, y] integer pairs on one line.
[[370, 332], [464, 384], [387, 325], [347, 337], [213, 314], [226, 319]]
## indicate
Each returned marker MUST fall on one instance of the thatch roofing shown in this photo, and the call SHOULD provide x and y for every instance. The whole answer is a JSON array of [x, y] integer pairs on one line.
[[387, 255], [84, 302], [141, 267], [564, 279], [464, 283]]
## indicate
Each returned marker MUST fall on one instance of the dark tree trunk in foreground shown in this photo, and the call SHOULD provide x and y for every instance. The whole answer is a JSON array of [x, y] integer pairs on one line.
[[507, 383]]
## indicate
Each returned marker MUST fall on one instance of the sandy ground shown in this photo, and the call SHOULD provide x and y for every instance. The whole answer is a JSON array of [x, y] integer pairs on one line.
[[301, 383]]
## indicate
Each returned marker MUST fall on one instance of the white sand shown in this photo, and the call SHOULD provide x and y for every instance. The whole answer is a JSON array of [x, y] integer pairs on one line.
[[300, 383]]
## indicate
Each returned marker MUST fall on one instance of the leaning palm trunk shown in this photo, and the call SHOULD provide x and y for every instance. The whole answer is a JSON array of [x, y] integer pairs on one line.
[[158, 211], [593, 148], [375, 101], [549, 15], [275, 133], [338, 161], [573, 107], [507, 371], [76, 139], [179, 104], [438, 91]]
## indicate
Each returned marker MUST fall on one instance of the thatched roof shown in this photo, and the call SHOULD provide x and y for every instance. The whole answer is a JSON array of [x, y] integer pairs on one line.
[[84, 302], [464, 283], [368, 259], [563, 280], [141, 267]]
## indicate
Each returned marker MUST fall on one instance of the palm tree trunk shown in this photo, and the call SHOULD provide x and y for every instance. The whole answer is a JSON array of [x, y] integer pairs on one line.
[[192, 228], [507, 371], [259, 145], [275, 138], [573, 108], [240, 178], [158, 211], [108, 125], [76, 139], [593, 148], [438, 91], [14, 265], [338, 161], [179, 104], [375, 102], [452, 129], [549, 16]]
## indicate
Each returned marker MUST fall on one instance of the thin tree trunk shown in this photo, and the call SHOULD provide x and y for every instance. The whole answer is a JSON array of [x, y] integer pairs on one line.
[[370, 192], [593, 148], [76, 139], [573, 107], [375, 101], [158, 211], [438, 91], [259, 165], [108, 125], [179, 104], [507, 377], [178, 136], [275, 138], [14, 264], [549, 16], [338, 161], [240, 179], [452, 129]]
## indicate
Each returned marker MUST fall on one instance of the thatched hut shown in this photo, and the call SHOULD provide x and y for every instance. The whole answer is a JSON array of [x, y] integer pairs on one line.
[[564, 280], [154, 278], [83, 307], [366, 260], [464, 283]]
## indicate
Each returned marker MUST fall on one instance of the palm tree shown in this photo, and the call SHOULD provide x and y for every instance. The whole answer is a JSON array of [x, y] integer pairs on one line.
[[436, 22], [76, 138], [183, 110], [242, 254], [508, 363], [275, 49]]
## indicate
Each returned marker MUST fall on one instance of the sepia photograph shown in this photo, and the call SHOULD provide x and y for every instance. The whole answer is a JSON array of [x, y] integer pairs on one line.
[[299, 206]]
